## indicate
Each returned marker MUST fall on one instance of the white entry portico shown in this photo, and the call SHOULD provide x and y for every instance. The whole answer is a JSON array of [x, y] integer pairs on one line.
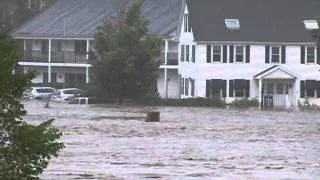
[[277, 88]]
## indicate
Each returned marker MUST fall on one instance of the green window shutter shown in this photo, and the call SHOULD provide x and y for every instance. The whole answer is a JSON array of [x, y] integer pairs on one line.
[[248, 54], [283, 54], [208, 53], [224, 53], [267, 54], [302, 55], [208, 89], [231, 53], [230, 88]]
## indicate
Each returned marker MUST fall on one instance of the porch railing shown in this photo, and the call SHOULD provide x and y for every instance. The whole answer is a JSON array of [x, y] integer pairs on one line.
[[56, 57], [68, 57], [172, 58], [34, 56]]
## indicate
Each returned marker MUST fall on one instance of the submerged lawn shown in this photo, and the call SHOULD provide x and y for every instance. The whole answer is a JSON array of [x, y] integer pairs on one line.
[[112, 142]]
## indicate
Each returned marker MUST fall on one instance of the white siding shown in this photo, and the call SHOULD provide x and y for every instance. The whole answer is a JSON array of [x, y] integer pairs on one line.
[[173, 84]]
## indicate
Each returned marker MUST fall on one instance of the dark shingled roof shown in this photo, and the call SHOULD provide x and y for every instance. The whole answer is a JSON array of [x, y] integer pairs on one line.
[[260, 20], [81, 18]]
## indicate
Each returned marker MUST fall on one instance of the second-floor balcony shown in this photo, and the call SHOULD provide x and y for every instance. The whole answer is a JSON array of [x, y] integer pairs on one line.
[[56, 57], [172, 58], [68, 57]]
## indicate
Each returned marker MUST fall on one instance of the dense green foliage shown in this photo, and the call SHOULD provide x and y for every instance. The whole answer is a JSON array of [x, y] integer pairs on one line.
[[24, 149], [124, 64]]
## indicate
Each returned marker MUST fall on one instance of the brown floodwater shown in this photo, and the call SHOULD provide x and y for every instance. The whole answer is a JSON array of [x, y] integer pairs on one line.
[[114, 142]]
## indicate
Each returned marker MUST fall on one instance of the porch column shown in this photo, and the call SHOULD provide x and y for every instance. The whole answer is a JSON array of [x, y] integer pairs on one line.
[[24, 45], [296, 93], [227, 89], [165, 68], [87, 74], [260, 93], [88, 44], [49, 60]]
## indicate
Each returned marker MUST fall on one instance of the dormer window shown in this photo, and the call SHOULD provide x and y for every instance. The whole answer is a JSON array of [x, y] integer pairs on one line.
[[311, 24], [232, 24]]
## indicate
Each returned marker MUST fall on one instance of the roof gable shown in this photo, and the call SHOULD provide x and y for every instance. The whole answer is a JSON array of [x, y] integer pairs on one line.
[[276, 72], [261, 20]]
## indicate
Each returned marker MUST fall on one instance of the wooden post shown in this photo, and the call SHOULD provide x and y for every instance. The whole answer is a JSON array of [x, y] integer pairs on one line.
[[153, 116]]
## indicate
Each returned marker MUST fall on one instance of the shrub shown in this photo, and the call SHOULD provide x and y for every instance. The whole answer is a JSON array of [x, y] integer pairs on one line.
[[245, 102], [200, 102]]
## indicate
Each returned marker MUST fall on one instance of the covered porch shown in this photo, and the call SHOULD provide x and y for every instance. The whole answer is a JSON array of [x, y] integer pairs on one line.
[[277, 87]]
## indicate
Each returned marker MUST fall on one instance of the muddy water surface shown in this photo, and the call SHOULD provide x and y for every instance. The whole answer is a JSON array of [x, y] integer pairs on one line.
[[110, 142]]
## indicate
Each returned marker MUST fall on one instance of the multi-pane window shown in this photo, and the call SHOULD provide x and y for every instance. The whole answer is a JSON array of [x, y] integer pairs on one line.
[[187, 86], [44, 46], [239, 53], [275, 54], [280, 89], [187, 25], [217, 51], [228, 53], [239, 88], [185, 53], [239, 92], [80, 47], [310, 54]]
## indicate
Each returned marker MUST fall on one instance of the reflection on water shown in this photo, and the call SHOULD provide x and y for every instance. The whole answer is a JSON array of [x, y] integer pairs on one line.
[[113, 142]]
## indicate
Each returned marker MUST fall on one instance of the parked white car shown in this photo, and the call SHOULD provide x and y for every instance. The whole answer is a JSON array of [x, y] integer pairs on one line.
[[66, 94], [38, 93]]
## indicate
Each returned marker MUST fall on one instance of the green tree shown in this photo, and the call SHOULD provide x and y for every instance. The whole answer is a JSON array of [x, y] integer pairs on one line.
[[124, 63], [24, 149]]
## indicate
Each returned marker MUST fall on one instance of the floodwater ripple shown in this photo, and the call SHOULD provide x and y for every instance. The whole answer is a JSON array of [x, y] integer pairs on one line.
[[114, 142]]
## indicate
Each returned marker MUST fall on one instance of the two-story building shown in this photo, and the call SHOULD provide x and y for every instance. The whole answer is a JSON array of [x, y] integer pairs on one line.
[[264, 50], [256, 49], [56, 42]]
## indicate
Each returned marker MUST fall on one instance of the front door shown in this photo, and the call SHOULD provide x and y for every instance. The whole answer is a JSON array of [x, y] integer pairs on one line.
[[277, 94]]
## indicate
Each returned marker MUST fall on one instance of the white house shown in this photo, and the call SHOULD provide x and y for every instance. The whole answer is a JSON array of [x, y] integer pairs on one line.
[[259, 49], [56, 42], [262, 49]]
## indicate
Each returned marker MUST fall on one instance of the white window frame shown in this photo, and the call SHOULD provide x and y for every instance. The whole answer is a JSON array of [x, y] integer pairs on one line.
[[185, 53], [243, 54], [233, 24], [212, 53], [311, 24], [270, 54], [306, 55]]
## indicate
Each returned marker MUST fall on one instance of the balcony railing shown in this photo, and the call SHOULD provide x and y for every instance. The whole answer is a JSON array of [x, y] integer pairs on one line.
[[35, 56], [68, 57], [56, 57], [172, 58]]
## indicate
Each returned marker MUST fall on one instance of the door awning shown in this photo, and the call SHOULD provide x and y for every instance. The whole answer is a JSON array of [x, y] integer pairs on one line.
[[276, 72]]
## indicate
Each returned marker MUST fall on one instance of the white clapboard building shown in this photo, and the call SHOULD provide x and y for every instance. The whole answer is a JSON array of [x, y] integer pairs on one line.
[[264, 50], [256, 49]]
